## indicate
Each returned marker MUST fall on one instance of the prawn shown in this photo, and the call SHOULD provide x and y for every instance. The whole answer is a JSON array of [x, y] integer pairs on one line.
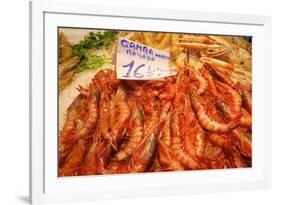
[[215, 156], [179, 126], [73, 160], [194, 141], [93, 113], [247, 100], [217, 73], [243, 141], [207, 122], [229, 102], [122, 115], [68, 136], [89, 165], [165, 155], [136, 131], [246, 119], [142, 158], [198, 82], [226, 142]]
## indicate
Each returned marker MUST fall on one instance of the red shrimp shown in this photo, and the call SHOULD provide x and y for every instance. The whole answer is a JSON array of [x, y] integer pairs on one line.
[[122, 115], [246, 119], [237, 160], [112, 110], [247, 100], [165, 154], [104, 151], [167, 160], [72, 113], [179, 126], [114, 82], [215, 157], [222, 77], [176, 143], [89, 166], [198, 83], [227, 143], [222, 140], [243, 141], [208, 122], [92, 118], [230, 103], [104, 114], [211, 85], [74, 160], [168, 92], [229, 100], [68, 135], [117, 167], [142, 158], [166, 131], [136, 132], [194, 141]]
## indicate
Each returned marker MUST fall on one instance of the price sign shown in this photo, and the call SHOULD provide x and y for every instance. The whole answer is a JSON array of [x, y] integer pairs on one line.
[[135, 61]]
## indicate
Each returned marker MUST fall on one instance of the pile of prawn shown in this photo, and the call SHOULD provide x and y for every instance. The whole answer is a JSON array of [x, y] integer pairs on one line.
[[195, 120]]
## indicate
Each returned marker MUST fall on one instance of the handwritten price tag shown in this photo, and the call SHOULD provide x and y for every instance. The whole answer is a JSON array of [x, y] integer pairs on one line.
[[135, 61]]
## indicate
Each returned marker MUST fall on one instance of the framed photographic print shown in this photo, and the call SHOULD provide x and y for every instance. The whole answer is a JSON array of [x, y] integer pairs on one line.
[[132, 103]]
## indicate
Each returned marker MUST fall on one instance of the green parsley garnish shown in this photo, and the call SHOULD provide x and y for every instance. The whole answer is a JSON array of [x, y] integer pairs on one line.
[[93, 41], [92, 62]]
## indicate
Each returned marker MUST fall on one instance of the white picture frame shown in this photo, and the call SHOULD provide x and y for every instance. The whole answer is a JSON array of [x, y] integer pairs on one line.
[[46, 187]]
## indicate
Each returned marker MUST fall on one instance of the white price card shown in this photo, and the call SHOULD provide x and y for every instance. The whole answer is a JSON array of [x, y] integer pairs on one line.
[[135, 61]]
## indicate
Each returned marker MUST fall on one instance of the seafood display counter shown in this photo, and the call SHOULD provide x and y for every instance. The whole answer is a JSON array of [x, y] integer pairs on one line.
[[196, 119]]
